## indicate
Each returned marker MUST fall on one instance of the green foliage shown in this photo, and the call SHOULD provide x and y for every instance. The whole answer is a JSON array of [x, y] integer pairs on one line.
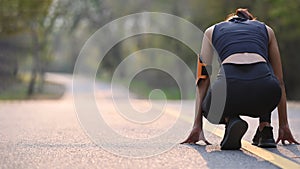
[[18, 91], [64, 26], [143, 90], [20, 19], [284, 19], [17, 15], [281, 15]]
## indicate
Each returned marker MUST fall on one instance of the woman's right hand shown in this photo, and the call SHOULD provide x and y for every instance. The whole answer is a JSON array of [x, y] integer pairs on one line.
[[285, 134], [195, 136]]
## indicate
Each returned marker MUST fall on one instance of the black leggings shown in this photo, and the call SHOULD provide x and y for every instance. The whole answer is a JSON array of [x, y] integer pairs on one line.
[[256, 93]]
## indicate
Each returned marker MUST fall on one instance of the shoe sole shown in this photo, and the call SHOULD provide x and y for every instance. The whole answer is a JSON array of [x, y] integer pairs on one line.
[[267, 145], [234, 135]]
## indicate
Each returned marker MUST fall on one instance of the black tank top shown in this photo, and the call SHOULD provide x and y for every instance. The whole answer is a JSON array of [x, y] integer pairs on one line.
[[240, 35]]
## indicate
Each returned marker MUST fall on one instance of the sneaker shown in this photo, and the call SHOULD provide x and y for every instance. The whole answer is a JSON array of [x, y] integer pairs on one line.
[[266, 139], [235, 130]]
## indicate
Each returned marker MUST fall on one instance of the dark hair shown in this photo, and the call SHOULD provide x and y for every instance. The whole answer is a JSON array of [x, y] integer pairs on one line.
[[242, 13]]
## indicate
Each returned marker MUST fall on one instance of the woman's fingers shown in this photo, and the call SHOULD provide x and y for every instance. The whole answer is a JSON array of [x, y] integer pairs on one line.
[[285, 134], [291, 141], [296, 142], [194, 142], [278, 139], [206, 142], [194, 137], [188, 140]]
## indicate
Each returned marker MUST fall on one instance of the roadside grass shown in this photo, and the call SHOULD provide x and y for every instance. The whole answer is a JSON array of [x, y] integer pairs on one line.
[[142, 90], [18, 90]]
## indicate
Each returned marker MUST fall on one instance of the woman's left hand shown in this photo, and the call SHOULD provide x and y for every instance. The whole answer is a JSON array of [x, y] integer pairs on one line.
[[285, 134], [195, 136]]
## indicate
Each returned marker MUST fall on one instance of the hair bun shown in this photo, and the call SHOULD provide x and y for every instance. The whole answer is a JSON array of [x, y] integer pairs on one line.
[[244, 13]]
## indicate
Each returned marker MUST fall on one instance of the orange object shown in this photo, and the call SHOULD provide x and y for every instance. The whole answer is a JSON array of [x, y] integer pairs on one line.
[[200, 67]]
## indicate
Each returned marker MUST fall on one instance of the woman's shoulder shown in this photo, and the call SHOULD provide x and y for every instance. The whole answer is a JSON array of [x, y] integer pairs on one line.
[[209, 30], [258, 22], [262, 24]]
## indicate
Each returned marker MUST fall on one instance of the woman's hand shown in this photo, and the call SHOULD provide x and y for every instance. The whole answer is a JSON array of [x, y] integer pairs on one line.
[[285, 134], [195, 136]]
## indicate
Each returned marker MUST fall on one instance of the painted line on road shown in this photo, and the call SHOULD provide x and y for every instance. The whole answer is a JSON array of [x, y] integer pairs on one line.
[[260, 152]]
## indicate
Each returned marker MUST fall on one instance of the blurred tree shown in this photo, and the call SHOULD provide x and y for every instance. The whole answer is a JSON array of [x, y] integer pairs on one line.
[[284, 19], [31, 17], [41, 24], [12, 44], [67, 24], [79, 20]]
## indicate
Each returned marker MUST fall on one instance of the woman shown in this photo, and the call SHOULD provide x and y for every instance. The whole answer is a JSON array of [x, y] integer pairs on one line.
[[252, 74]]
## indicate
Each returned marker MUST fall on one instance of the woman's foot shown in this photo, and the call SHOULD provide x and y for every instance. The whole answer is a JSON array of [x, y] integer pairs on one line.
[[264, 138], [235, 130]]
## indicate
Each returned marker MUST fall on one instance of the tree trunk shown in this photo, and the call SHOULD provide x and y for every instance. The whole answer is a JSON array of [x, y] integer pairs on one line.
[[32, 82], [35, 56], [42, 80]]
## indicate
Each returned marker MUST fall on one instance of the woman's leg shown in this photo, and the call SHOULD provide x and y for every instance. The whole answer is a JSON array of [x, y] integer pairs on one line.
[[213, 105], [215, 110], [264, 120], [269, 96]]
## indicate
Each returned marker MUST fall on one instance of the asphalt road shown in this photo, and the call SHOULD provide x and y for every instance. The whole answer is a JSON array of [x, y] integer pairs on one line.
[[48, 134]]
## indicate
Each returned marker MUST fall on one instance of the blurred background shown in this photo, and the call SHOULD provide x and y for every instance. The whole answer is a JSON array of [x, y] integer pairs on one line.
[[39, 36]]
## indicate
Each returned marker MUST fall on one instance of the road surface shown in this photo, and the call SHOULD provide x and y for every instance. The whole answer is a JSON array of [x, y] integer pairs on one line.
[[48, 134]]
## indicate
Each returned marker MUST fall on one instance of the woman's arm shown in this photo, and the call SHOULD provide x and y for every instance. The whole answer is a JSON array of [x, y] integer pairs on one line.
[[202, 87], [274, 55], [197, 131]]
